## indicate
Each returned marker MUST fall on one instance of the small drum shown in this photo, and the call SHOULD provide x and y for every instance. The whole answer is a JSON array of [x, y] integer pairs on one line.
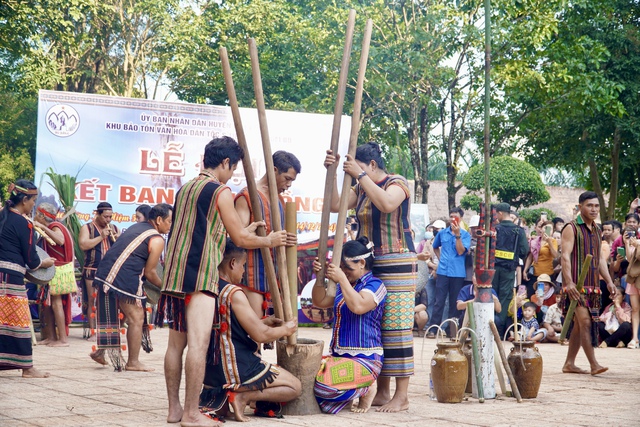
[[41, 276], [152, 291]]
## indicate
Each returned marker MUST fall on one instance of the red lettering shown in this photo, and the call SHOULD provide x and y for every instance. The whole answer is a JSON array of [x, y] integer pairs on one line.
[[102, 191], [146, 196], [303, 204], [85, 191], [149, 162], [173, 163], [165, 195], [127, 194]]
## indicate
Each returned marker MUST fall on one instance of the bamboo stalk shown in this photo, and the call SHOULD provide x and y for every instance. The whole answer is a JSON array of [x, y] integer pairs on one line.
[[291, 225], [572, 307], [276, 219], [353, 142], [335, 138], [269, 268], [505, 362]]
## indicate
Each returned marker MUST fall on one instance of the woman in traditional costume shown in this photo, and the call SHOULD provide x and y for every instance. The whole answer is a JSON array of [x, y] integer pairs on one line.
[[17, 253], [350, 372], [383, 203]]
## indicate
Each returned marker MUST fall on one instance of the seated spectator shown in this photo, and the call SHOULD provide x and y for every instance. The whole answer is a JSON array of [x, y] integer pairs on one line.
[[235, 373], [468, 293], [615, 333], [531, 328], [543, 298], [356, 341], [553, 321], [420, 316]]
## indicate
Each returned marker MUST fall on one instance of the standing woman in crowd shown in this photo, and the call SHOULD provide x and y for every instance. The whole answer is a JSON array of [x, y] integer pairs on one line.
[[543, 250], [382, 203], [17, 253]]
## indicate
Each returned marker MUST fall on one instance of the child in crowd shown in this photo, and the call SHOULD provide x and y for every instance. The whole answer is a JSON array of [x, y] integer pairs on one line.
[[553, 321], [531, 328]]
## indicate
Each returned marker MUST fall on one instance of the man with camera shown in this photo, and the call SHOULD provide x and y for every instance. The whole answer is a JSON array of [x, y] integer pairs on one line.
[[451, 246]]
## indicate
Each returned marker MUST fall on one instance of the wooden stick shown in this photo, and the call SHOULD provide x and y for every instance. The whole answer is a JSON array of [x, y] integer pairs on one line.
[[580, 287], [476, 352], [335, 139], [291, 225], [353, 142], [276, 219], [269, 268], [505, 362], [496, 362]]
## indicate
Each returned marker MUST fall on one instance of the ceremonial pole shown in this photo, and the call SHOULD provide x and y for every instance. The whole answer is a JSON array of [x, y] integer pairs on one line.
[[485, 257]]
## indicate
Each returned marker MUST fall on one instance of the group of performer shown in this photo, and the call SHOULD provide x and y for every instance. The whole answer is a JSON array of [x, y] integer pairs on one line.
[[215, 293]]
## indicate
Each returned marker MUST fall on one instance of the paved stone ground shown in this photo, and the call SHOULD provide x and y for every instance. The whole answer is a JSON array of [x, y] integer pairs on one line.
[[82, 393]]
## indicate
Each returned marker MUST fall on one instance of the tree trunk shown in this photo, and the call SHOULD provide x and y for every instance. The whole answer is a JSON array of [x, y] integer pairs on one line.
[[413, 136], [424, 140], [615, 175]]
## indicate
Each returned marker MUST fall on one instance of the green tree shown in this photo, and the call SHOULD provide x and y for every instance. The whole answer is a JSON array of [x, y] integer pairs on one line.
[[512, 181]]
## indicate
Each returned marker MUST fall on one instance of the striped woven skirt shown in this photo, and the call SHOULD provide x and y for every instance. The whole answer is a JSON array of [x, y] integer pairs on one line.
[[344, 379], [15, 335], [398, 272]]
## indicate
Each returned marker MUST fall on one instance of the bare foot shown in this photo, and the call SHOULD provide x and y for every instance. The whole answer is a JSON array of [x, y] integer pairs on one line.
[[98, 357], [58, 343], [364, 402], [381, 398], [201, 421], [45, 341], [238, 403], [138, 367], [598, 370], [573, 369], [175, 414], [395, 405], [34, 373]]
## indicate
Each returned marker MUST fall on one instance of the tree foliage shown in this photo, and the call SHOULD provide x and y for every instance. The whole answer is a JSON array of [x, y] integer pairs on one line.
[[513, 181]]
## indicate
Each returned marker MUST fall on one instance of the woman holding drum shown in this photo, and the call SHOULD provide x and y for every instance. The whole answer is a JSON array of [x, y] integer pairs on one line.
[[17, 253]]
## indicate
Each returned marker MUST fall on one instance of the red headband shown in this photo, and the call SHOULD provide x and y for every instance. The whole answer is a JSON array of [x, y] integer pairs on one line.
[[47, 214]]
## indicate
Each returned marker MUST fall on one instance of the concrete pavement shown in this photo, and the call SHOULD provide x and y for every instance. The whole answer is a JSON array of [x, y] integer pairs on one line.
[[82, 393]]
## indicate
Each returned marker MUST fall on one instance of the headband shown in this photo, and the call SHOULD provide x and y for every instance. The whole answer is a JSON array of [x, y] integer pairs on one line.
[[15, 189], [363, 256], [47, 214]]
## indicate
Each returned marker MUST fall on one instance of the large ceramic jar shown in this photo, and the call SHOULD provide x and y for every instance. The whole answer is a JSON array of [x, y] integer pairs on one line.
[[449, 372], [526, 364]]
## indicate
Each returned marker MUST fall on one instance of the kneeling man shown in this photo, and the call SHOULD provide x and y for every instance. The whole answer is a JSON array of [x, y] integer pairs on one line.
[[235, 372]]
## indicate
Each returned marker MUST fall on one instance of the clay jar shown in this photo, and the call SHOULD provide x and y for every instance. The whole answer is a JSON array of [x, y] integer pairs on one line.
[[526, 364], [449, 372]]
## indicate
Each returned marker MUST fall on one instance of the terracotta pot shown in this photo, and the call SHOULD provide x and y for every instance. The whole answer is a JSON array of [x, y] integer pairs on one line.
[[468, 351], [526, 364], [449, 371]]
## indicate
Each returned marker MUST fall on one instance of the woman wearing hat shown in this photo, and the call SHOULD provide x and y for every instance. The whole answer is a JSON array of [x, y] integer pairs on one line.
[[544, 295]]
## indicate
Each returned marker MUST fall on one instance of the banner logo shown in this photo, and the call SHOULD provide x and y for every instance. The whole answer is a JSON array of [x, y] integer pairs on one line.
[[62, 120]]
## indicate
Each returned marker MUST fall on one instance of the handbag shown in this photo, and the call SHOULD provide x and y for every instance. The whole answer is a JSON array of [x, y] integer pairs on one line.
[[612, 324], [64, 281]]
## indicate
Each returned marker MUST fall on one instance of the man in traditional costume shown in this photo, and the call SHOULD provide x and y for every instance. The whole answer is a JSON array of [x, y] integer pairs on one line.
[[203, 214], [95, 239], [17, 253], [118, 287], [235, 372], [582, 237], [287, 167], [56, 296]]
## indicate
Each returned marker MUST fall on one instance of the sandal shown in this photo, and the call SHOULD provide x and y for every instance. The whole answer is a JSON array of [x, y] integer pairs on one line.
[[632, 344]]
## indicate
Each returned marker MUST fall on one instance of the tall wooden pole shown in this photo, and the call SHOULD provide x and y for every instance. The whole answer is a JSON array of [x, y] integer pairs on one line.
[[335, 139], [276, 218], [270, 270], [353, 143], [291, 225]]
